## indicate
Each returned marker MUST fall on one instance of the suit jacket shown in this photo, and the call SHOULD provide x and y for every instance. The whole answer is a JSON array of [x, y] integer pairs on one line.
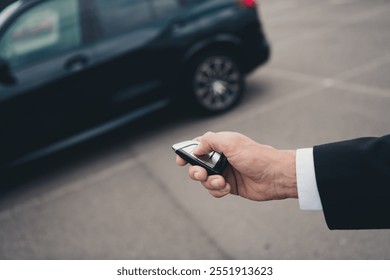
[[353, 179]]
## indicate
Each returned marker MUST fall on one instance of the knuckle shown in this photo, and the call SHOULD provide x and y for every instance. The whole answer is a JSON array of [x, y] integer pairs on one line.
[[215, 194], [208, 133]]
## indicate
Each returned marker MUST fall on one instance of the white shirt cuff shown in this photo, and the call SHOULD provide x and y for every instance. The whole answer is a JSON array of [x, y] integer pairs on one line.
[[309, 198]]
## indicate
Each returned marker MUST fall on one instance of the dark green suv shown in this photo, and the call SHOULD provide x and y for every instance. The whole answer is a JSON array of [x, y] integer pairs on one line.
[[72, 69]]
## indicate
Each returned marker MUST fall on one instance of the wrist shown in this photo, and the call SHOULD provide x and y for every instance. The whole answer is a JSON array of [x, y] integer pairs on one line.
[[286, 178]]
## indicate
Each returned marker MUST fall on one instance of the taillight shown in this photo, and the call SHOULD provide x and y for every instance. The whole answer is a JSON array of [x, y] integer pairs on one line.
[[247, 3]]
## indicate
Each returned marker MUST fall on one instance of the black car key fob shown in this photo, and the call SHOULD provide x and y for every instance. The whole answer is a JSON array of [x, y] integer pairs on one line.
[[214, 162]]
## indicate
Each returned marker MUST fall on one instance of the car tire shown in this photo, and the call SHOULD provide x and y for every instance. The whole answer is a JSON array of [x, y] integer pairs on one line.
[[215, 82]]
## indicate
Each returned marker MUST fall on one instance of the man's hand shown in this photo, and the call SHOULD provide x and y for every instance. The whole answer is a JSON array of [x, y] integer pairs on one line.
[[256, 171]]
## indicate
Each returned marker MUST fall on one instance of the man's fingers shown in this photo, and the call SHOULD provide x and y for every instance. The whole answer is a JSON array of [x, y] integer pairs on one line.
[[197, 173], [180, 161], [209, 142], [222, 192], [214, 182]]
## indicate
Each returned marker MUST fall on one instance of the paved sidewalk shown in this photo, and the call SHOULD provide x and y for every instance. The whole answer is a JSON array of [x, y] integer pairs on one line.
[[122, 197]]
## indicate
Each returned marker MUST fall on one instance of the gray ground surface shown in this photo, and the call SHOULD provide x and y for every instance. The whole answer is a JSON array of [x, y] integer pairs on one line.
[[123, 197]]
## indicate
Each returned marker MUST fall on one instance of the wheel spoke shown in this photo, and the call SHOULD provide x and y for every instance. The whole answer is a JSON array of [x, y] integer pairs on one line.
[[217, 83]]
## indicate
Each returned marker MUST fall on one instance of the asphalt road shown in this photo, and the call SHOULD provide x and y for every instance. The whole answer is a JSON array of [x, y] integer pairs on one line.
[[122, 196]]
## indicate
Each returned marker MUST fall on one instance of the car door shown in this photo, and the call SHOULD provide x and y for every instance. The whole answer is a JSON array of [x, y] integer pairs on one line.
[[130, 46], [43, 45]]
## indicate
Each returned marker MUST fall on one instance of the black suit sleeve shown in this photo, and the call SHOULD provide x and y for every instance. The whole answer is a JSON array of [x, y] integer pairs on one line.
[[353, 179]]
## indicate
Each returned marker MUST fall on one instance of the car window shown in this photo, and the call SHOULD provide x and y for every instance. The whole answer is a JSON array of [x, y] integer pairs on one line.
[[43, 30], [122, 16]]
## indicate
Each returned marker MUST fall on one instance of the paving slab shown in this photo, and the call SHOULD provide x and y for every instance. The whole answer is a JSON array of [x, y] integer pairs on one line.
[[122, 214], [121, 196]]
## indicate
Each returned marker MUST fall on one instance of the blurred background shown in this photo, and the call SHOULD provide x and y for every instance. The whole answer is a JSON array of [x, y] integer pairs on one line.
[[120, 195]]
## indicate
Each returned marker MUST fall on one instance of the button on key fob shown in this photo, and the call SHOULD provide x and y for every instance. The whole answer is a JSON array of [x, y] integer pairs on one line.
[[214, 162]]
